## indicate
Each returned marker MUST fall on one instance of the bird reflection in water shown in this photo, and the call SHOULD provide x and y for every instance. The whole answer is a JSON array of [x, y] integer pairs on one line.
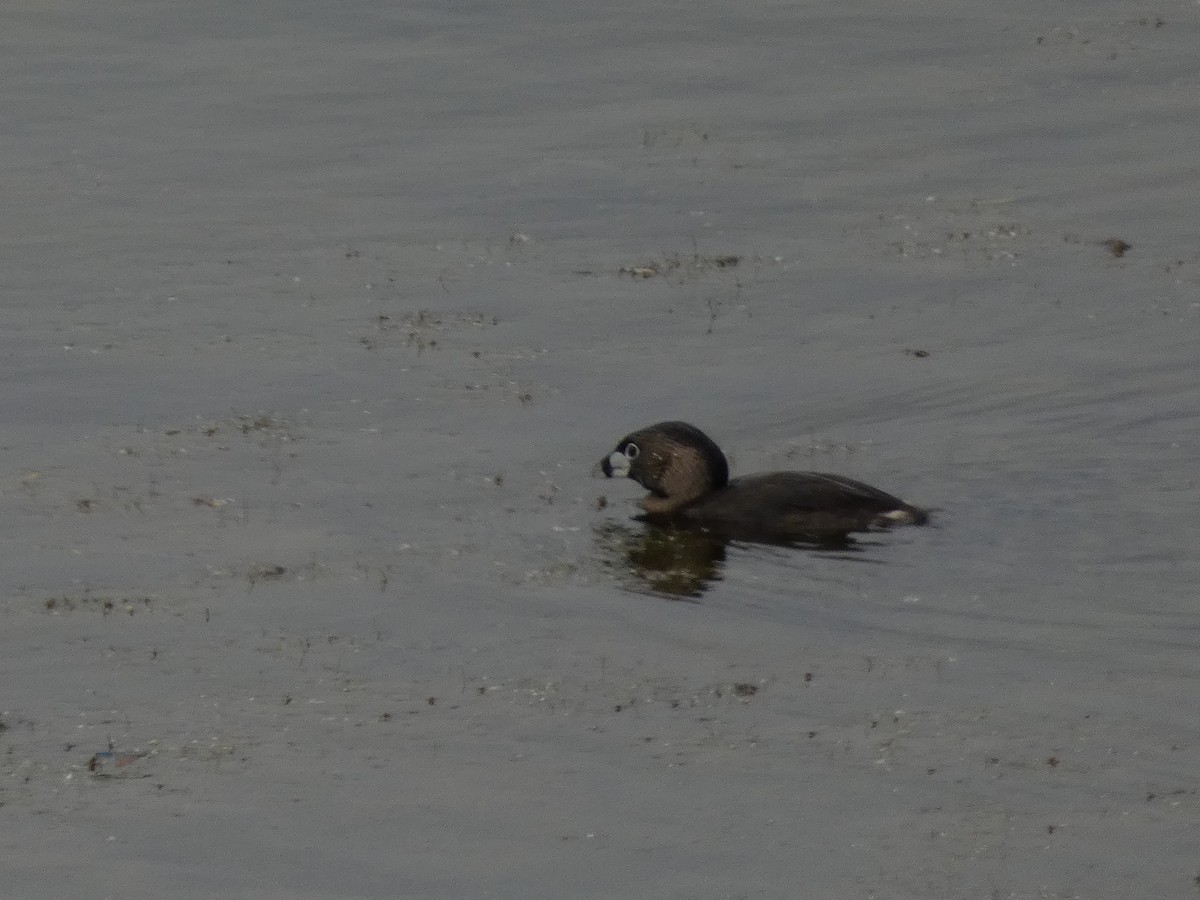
[[677, 563], [682, 563]]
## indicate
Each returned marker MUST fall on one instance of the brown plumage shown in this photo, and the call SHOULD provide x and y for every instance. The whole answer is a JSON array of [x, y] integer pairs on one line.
[[687, 476]]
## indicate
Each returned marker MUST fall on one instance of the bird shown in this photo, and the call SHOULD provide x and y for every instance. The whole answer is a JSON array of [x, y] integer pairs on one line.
[[687, 477]]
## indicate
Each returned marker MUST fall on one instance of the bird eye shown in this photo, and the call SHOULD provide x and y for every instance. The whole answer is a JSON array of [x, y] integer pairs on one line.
[[631, 452]]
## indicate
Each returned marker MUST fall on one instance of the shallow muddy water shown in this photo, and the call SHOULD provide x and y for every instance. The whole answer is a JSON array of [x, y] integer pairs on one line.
[[317, 323]]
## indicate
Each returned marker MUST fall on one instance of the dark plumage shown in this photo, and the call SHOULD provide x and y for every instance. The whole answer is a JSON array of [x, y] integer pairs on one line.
[[687, 476]]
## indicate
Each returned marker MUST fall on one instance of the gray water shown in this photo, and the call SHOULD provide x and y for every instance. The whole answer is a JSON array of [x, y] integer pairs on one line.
[[318, 319]]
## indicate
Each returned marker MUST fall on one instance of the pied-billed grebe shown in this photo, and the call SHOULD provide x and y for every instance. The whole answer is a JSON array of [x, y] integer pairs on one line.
[[688, 479]]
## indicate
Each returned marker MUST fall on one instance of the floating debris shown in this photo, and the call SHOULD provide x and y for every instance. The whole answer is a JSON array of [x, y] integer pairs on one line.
[[115, 764], [1118, 247], [670, 264]]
